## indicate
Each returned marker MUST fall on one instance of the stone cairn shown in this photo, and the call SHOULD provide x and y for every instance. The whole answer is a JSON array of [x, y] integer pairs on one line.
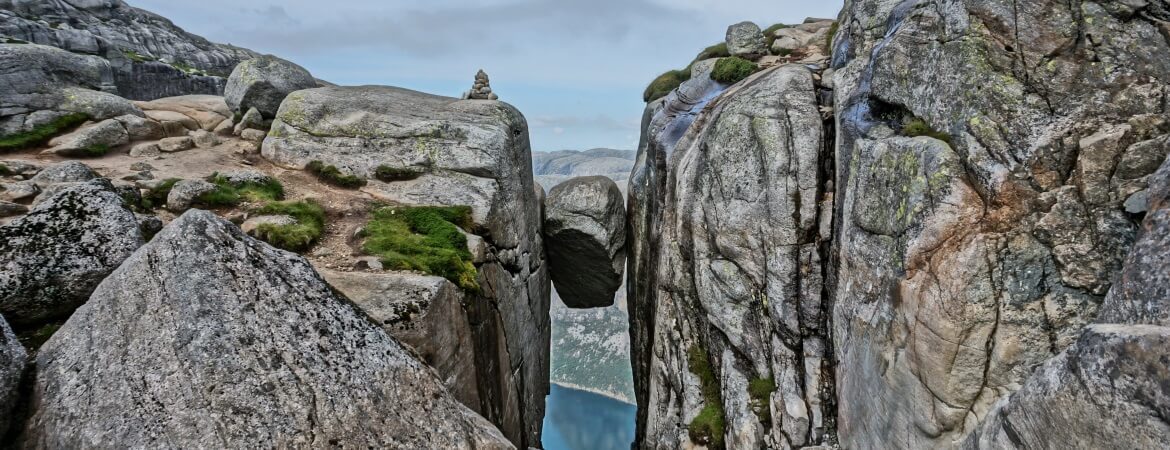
[[481, 90]]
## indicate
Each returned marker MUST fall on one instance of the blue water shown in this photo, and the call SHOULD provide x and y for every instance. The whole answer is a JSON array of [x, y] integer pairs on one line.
[[580, 420]]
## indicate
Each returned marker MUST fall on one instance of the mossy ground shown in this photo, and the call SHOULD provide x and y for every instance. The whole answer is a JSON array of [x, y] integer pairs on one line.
[[5, 171], [297, 237], [708, 427], [664, 84], [332, 175], [715, 51], [41, 134], [760, 390], [390, 174], [228, 194], [732, 70], [915, 127], [836, 26], [426, 239]]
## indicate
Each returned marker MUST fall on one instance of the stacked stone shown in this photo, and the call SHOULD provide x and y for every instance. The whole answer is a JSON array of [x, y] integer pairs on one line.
[[481, 90]]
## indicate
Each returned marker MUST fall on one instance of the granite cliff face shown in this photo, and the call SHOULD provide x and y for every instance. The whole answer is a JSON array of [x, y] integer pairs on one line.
[[919, 272], [150, 57]]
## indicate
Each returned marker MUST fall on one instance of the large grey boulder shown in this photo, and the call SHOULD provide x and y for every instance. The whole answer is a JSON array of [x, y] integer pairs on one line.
[[52, 258], [471, 153], [585, 234], [13, 360], [63, 172], [94, 140], [150, 56], [746, 40], [263, 83], [726, 212], [185, 192], [425, 313], [206, 336]]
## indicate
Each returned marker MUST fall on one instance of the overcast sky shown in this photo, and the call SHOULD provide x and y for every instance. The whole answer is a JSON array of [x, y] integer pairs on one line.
[[575, 68]]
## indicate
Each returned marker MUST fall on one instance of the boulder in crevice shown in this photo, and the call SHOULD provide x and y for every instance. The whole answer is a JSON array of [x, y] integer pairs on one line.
[[263, 83], [585, 234]]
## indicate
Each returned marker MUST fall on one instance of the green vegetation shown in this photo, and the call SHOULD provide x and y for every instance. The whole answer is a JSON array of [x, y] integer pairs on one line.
[[331, 175], [770, 34], [157, 197], [187, 68], [8, 40], [41, 134], [760, 390], [829, 39], [665, 83], [390, 174], [707, 428], [423, 238], [137, 57], [229, 194], [35, 339], [733, 69], [715, 51], [94, 151], [5, 171], [915, 127], [296, 237]]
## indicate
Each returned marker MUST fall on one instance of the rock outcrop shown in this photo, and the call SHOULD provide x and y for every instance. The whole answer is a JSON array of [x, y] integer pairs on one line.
[[55, 256], [425, 313], [13, 359], [444, 151], [263, 83], [198, 340], [585, 232], [148, 55]]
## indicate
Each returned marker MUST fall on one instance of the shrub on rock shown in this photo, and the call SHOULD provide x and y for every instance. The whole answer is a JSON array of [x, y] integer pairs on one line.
[[733, 70]]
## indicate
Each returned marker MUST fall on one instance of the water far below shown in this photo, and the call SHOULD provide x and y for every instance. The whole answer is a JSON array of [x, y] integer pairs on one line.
[[582, 420]]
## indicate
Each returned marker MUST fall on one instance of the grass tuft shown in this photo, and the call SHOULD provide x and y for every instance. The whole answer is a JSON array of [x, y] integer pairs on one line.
[[332, 176], [760, 390], [137, 57], [708, 427], [665, 83], [296, 237], [715, 51], [424, 238], [390, 174], [229, 194], [915, 127], [35, 339], [94, 151], [732, 70], [41, 134]]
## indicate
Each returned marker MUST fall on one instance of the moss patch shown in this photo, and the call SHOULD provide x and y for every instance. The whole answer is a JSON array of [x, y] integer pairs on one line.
[[760, 390], [423, 238], [229, 194], [390, 174], [296, 237], [708, 427], [715, 51], [915, 127], [732, 70], [157, 197], [5, 171], [664, 84], [137, 57], [41, 134], [332, 175]]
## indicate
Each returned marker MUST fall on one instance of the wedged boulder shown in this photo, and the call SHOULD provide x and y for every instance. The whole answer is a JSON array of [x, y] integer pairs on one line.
[[441, 151], [746, 40], [585, 236], [13, 359], [424, 312], [93, 140], [207, 336], [263, 83], [52, 258]]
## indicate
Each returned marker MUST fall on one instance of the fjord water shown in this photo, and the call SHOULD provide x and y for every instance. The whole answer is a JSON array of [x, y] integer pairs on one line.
[[581, 420]]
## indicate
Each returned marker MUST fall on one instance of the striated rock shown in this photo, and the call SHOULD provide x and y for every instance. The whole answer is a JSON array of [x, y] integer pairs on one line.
[[263, 83], [471, 153], [585, 232], [425, 313], [93, 140], [726, 263], [13, 360], [746, 40], [198, 322], [58, 253], [184, 192], [149, 56]]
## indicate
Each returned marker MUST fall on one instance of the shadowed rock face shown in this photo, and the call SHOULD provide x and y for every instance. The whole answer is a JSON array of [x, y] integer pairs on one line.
[[54, 257], [206, 337], [474, 153], [966, 263], [13, 359], [585, 231], [150, 56]]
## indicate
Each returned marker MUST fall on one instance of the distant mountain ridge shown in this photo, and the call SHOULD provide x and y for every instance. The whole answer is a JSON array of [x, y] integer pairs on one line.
[[553, 168]]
